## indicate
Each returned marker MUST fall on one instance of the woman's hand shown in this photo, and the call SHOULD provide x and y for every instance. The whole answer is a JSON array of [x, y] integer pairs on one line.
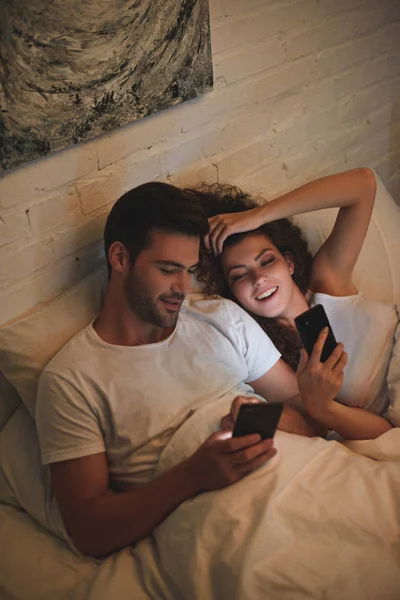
[[222, 226], [320, 382]]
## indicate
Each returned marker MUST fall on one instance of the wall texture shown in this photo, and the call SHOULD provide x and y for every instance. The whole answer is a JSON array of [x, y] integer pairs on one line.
[[302, 88]]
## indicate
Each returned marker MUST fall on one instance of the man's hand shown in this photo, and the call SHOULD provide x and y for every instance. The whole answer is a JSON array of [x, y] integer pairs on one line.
[[320, 382], [222, 460], [229, 420]]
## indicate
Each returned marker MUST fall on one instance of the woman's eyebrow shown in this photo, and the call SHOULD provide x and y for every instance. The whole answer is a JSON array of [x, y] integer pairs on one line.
[[256, 258], [236, 267], [261, 253]]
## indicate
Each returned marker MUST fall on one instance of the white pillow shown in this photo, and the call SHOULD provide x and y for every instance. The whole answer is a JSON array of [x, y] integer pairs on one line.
[[23, 480], [377, 271], [29, 343]]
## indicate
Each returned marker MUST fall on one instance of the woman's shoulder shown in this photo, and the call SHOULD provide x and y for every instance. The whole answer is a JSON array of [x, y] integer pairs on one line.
[[357, 306], [212, 307], [205, 302]]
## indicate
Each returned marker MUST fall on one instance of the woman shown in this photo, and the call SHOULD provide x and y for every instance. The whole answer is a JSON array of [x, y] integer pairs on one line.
[[268, 270]]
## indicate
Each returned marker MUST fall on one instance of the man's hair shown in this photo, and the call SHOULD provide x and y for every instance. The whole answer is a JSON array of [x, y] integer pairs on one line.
[[152, 207]]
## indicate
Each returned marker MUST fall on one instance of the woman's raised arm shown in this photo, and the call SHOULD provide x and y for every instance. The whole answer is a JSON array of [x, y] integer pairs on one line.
[[353, 192]]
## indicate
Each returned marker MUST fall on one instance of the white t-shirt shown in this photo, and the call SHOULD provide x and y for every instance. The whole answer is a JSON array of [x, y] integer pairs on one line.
[[128, 400], [367, 330]]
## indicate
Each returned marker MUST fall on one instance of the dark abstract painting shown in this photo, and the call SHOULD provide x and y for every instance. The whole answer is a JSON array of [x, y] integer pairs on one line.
[[71, 70]]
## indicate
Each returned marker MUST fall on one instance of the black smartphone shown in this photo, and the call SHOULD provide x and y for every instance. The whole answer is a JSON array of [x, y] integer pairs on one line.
[[309, 325], [260, 418]]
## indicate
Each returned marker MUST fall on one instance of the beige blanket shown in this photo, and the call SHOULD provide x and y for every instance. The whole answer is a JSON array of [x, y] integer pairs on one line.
[[322, 520]]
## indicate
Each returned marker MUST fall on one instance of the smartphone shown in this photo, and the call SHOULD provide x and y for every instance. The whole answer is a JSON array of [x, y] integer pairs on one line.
[[309, 325], [260, 418]]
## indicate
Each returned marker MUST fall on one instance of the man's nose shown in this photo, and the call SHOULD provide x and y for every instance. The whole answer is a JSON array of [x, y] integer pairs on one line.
[[183, 283]]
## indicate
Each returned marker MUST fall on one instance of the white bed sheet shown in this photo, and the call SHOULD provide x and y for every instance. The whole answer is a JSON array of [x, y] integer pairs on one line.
[[36, 565], [321, 521]]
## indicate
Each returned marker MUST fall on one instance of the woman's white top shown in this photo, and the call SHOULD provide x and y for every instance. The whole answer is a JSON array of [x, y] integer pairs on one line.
[[369, 331]]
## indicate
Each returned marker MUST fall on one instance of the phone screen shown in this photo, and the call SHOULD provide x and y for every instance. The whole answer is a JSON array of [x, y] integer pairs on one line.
[[258, 418], [309, 325]]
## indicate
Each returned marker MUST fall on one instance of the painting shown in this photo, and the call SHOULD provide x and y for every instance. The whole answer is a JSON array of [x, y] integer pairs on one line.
[[71, 70]]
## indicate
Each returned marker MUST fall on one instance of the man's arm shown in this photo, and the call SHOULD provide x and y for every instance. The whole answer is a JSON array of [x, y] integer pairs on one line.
[[101, 521], [279, 384]]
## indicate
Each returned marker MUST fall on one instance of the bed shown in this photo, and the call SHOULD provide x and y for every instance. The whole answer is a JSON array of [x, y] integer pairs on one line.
[[320, 520]]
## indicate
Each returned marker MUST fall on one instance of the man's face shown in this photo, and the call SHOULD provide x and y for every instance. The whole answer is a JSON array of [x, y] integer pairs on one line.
[[161, 277]]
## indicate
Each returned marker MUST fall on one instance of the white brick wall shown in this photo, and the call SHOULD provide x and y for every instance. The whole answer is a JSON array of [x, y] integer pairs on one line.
[[302, 88]]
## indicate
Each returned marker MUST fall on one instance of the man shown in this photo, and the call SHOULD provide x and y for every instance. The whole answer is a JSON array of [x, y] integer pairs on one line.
[[111, 399]]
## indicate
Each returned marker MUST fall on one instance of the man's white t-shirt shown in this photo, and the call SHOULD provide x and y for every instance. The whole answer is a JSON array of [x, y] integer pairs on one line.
[[128, 400]]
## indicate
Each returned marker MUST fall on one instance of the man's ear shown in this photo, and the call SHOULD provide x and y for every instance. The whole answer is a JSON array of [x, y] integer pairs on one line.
[[118, 257], [290, 263]]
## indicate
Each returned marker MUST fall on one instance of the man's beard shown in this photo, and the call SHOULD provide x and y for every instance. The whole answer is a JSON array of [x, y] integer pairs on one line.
[[145, 307]]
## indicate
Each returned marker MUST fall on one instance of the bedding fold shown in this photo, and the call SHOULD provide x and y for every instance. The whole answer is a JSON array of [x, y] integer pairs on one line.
[[319, 521]]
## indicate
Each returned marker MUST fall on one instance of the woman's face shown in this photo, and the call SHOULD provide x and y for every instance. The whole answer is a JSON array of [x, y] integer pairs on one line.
[[259, 276]]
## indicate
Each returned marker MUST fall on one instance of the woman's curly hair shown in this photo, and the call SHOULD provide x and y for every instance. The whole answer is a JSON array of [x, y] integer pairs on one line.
[[283, 233]]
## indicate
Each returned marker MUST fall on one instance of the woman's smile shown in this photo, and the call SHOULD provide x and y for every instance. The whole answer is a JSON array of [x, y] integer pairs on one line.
[[267, 294], [258, 275]]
